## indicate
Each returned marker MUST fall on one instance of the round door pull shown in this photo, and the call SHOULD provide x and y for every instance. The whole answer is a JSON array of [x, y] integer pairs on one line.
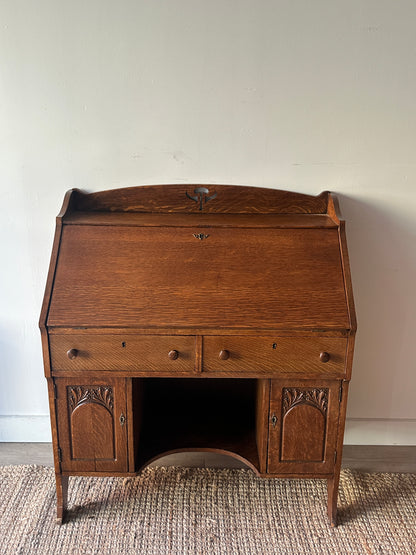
[[72, 353], [324, 356], [173, 355], [224, 354]]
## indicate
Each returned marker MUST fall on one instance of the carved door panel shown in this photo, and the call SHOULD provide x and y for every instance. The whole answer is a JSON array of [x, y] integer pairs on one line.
[[303, 426], [92, 424]]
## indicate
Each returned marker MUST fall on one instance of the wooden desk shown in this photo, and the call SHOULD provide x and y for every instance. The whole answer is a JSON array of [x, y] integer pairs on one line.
[[184, 317]]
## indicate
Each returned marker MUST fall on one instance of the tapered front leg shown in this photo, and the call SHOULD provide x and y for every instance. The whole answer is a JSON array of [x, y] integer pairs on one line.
[[61, 497], [333, 484]]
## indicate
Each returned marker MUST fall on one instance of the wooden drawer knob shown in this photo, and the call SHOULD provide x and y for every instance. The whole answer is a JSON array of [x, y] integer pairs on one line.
[[324, 356], [72, 353], [173, 355], [224, 354]]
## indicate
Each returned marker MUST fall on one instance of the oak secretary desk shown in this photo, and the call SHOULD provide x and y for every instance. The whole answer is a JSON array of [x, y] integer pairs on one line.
[[198, 318]]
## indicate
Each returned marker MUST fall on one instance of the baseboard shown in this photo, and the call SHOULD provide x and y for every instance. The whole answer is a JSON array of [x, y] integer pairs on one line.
[[358, 431], [27, 429]]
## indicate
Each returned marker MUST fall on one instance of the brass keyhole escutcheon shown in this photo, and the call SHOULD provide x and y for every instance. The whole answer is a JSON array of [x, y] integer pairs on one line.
[[200, 236]]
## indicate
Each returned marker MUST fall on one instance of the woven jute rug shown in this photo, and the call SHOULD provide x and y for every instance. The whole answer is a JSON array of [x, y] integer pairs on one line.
[[202, 511]]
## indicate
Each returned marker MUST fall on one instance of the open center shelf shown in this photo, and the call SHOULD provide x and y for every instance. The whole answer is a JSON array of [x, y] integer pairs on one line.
[[194, 414]]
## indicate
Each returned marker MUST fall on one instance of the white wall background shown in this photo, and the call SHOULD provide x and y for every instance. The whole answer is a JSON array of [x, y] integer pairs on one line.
[[297, 95]]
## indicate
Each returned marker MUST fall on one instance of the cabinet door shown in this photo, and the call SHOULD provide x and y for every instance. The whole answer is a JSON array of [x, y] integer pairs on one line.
[[303, 426], [92, 424]]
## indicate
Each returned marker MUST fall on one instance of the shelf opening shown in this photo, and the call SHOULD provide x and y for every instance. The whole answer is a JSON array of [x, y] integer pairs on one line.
[[191, 414]]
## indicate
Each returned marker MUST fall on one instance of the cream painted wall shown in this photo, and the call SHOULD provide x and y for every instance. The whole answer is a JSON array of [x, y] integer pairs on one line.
[[298, 95]]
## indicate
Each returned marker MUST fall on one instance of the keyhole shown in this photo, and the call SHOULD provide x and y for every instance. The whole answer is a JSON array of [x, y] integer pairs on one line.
[[123, 344], [274, 345]]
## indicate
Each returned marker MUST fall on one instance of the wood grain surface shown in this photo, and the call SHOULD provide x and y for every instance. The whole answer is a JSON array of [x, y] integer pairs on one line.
[[281, 355], [303, 438], [273, 278], [221, 198], [92, 439], [114, 352]]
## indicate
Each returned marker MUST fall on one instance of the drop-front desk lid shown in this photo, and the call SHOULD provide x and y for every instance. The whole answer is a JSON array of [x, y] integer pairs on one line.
[[198, 268]]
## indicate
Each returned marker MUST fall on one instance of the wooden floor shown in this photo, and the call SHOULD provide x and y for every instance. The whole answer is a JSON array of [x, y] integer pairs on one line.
[[368, 458]]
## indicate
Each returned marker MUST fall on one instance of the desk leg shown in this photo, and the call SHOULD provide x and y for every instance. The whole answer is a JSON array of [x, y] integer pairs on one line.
[[333, 484], [61, 496]]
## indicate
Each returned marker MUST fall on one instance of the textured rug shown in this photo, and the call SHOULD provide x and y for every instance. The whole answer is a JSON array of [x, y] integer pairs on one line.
[[202, 511]]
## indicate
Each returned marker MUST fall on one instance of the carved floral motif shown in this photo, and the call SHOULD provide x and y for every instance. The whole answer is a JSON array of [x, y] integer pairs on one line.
[[315, 397], [102, 395]]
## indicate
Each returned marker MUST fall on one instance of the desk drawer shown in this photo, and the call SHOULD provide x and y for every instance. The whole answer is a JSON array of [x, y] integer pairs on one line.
[[284, 355], [159, 353]]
